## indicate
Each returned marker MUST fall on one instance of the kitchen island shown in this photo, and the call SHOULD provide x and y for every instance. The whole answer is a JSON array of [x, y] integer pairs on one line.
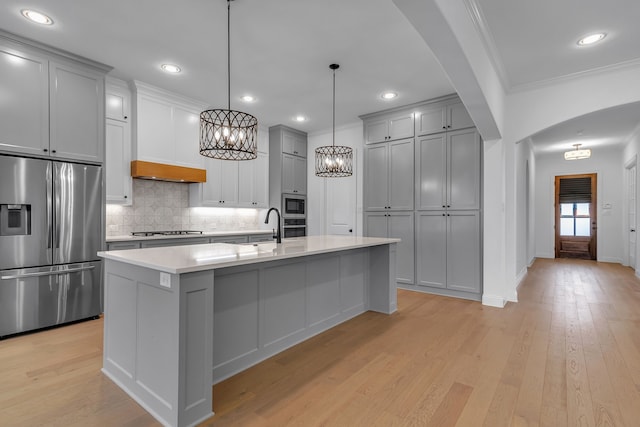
[[180, 319]]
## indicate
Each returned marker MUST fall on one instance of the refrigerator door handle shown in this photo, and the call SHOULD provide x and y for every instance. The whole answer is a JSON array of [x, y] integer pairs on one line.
[[46, 273]]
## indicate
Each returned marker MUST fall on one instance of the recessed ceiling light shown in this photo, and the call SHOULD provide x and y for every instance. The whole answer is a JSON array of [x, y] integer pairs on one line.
[[591, 39], [300, 118], [388, 95], [170, 68], [247, 98], [37, 17]]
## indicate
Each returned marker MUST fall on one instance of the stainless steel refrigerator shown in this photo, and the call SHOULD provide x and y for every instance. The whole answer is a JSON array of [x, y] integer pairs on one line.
[[50, 233]]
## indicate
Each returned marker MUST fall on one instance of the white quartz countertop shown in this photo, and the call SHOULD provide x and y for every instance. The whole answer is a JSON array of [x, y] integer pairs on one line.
[[129, 238], [186, 259]]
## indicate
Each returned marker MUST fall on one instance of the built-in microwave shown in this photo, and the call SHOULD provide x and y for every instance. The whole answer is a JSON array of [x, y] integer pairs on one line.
[[294, 206]]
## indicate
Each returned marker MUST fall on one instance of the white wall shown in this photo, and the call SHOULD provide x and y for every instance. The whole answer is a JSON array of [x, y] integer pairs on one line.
[[323, 192], [607, 164], [525, 214]]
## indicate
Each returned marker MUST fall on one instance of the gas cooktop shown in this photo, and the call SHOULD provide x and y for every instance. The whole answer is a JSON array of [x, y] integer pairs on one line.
[[165, 233]]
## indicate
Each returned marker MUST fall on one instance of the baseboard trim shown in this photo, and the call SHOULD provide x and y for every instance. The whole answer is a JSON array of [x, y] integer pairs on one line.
[[493, 301]]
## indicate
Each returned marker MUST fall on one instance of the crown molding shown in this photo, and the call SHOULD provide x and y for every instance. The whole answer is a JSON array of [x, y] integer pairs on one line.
[[482, 28], [624, 65]]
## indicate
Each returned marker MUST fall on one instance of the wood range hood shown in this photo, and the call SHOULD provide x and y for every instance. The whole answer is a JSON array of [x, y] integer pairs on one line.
[[163, 172]]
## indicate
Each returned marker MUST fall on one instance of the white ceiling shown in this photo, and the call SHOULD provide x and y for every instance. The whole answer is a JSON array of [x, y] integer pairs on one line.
[[605, 128], [281, 51], [534, 43]]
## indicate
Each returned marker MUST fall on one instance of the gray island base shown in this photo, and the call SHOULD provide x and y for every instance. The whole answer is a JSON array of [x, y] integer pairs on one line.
[[179, 319]]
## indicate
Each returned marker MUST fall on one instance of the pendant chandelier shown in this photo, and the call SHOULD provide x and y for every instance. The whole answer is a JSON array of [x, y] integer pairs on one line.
[[334, 161], [228, 134], [577, 154]]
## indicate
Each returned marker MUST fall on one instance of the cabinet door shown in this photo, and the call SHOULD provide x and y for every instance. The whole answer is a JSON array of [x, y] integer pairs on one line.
[[401, 127], [186, 142], [76, 111], [295, 144], [288, 173], [118, 103], [261, 181], [401, 226], [118, 161], [464, 169], [300, 175], [376, 177], [212, 189], [401, 176], [376, 130], [229, 183], [375, 224], [431, 120], [458, 117], [24, 112], [431, 259], [431, 160], [246, 172], [463, 251], [253, 182]]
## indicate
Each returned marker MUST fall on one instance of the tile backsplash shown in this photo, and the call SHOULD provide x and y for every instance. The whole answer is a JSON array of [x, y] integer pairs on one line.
[[159, 205]]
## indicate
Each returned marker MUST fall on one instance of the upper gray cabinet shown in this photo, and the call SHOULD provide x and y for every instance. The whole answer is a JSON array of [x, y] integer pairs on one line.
[[287, 162], [383, 129], [57, 103], [440, 117], [389, 176], [448, 170], [294, 143]]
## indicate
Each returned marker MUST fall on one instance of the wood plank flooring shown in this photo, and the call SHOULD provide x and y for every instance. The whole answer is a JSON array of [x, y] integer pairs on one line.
[[568, 354]]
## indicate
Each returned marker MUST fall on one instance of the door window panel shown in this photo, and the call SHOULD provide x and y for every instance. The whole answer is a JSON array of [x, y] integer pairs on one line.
[[575, 219]]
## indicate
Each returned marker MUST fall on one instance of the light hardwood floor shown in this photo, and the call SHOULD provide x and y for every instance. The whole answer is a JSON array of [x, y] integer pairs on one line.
[[568, 354]]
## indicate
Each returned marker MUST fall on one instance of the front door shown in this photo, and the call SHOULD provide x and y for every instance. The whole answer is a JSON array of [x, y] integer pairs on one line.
[[576, 222]]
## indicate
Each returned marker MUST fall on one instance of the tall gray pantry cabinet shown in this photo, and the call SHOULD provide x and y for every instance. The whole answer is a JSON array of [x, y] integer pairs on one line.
[[426, 190]]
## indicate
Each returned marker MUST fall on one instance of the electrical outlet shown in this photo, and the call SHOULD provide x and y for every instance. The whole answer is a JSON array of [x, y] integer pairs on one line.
[[165, 280]]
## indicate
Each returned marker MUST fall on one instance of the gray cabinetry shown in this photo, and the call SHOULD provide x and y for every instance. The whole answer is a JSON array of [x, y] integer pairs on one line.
[[294, 174], [389, 179], [448, 252], [434, 178], [381, 129], [439, 117], [57, 103], [397, 225], [448, 170], [118, 246], [287, 163]]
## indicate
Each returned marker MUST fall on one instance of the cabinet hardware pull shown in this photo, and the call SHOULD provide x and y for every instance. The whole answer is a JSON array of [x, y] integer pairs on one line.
[[45, 150], [125, 196], [53, 151], [125, 117]]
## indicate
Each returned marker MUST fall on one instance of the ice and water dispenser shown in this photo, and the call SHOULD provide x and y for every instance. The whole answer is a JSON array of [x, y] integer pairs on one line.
[[15, 220]]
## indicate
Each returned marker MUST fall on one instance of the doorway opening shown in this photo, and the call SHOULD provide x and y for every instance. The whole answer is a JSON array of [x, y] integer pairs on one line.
[[576, 222]]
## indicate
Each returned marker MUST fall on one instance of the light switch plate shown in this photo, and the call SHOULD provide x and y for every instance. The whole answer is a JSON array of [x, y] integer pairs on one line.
[[165, 280]]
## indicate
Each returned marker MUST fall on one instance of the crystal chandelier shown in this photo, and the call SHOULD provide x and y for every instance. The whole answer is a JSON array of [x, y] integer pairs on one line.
[[333, 161], [228, 134]]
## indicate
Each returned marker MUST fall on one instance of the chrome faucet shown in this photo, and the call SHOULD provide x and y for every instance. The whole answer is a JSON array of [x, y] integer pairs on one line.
[[278, 235]]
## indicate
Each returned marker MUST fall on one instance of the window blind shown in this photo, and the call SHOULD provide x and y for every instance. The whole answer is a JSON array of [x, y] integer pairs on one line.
[[575, 190]]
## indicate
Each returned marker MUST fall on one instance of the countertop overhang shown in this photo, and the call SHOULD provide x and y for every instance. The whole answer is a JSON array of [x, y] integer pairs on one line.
[[191, 258]]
